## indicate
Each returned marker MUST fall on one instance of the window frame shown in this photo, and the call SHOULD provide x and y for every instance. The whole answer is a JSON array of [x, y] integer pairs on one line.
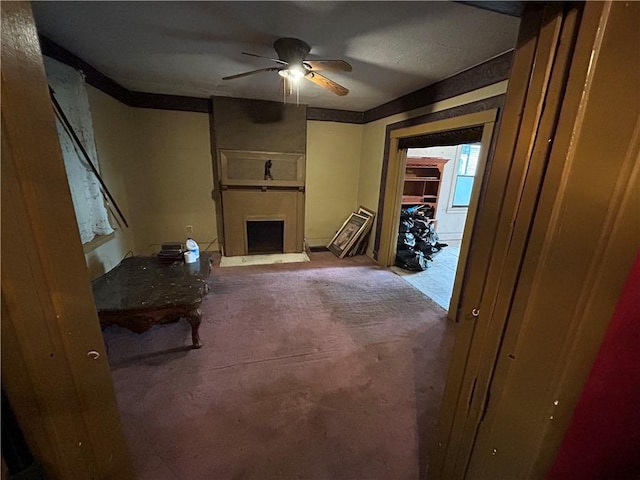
[[451, 208]]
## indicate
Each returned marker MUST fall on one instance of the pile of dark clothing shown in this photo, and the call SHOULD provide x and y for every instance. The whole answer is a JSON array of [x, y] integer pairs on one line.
[[417, 238]]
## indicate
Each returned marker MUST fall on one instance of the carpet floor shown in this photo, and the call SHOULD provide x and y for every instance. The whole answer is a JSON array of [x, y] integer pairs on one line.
[[331, 369]]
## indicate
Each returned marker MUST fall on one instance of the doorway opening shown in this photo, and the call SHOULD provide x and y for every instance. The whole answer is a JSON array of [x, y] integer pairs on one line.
[[469, 136], [438, 183]]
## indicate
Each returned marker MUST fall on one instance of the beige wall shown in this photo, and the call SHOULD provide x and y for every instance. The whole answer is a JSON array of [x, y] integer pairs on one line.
[[157, 164], [333, 170], [172, 179], [112, 125]]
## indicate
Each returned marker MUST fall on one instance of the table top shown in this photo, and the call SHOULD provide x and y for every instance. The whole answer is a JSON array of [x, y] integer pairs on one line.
[[147, 283]]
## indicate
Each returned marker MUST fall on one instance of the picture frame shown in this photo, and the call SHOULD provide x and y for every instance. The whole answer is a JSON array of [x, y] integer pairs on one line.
[[348, 234], [365, 211], [361, 245]]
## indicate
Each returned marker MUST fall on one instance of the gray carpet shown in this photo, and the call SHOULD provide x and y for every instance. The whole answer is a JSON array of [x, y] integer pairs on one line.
[[332, 369]]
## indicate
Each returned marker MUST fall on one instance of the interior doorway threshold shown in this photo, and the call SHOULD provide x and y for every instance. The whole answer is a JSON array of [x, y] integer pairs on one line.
[[436, 282], [266, 259]]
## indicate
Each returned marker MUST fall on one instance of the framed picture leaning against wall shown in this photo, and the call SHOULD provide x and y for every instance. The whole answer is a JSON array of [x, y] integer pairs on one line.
[[348, 234]]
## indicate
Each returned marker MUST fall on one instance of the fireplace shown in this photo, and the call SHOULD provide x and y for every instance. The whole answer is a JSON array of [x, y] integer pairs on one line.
[[265, 236], [262, 202]]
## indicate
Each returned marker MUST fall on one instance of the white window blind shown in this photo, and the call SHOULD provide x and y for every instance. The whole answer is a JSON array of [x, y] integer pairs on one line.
[[88, 202]]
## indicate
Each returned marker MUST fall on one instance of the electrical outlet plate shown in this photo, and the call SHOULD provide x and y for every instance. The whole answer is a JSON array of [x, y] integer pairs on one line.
[[189, 228]]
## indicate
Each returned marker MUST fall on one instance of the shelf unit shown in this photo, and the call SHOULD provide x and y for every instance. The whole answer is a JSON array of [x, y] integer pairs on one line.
[[422, 178]]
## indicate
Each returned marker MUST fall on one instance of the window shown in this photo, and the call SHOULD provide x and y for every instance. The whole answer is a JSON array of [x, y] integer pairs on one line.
[[465, 174], [88, 202]]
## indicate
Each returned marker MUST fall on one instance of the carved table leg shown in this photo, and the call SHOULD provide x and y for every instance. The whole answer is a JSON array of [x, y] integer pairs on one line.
[[194, 317]]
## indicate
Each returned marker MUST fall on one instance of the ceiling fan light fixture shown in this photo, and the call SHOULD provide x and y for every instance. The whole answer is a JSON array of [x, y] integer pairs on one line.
[[291, 73], [292, 57]]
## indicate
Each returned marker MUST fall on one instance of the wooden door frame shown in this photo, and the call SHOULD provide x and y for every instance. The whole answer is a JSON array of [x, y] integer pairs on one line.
[[478, 331], [574, 267], [55, 371], [478, 182], [526, 339], [397, 163]]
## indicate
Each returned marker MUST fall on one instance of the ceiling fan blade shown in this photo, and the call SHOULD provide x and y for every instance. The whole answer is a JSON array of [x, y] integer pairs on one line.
[[239, 75], [330, 65], [324, 82], [260, 56]]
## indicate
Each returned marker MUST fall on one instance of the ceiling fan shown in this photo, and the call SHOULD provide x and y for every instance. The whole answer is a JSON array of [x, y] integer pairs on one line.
[[292, 54]]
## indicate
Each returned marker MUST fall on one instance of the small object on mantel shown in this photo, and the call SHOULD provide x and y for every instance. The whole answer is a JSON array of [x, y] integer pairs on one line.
[[267, 170]]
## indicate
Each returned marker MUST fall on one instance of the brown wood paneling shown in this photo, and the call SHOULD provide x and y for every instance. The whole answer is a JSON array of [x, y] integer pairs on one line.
[[55, 369]]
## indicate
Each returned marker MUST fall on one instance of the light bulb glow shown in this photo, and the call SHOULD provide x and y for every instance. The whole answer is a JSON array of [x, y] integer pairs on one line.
[[292, 74]]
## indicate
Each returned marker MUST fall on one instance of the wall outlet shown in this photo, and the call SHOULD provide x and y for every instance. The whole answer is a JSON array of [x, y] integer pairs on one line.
[[189, 229]]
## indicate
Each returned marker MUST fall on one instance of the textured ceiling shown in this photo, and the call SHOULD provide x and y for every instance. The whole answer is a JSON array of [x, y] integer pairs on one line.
[[185, 48]]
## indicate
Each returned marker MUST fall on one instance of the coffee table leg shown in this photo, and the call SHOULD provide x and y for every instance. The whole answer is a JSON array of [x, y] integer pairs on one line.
[[194, 318]]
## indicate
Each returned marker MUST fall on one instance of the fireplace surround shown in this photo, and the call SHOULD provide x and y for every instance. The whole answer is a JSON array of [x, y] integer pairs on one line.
[[262, 187]]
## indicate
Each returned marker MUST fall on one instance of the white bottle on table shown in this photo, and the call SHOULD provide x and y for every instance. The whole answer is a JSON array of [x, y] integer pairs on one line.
[[192, 246]]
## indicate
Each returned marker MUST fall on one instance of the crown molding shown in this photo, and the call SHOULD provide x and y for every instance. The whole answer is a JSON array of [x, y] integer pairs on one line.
[[492, 71]]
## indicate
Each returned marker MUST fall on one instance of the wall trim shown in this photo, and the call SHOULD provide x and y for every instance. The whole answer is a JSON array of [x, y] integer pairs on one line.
[[492, 71], [331, 115], [169, 102], [94, 77], [99, 80]]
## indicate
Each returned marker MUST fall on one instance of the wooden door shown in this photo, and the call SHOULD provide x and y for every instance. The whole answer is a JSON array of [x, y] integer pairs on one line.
[[54, 365], [532, 309]]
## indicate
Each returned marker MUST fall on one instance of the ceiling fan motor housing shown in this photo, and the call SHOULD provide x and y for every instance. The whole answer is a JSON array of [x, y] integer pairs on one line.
[[291, 50]]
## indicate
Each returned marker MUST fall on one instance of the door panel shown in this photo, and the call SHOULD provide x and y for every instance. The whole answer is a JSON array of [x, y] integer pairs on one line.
[[557, 232], [499, 239], [54, 366]]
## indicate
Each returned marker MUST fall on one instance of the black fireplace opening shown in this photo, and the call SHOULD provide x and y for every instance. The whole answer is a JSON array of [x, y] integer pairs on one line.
[[265, 236]]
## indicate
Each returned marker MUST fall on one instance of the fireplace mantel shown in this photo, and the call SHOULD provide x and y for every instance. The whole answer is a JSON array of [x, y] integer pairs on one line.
[[252, 190]]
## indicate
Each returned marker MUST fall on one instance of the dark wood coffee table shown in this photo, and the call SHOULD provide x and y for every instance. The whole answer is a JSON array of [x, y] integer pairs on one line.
[[145, 291]]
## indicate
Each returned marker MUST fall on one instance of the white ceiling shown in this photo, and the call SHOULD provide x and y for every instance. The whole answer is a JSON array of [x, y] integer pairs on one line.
[[185, 48]]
